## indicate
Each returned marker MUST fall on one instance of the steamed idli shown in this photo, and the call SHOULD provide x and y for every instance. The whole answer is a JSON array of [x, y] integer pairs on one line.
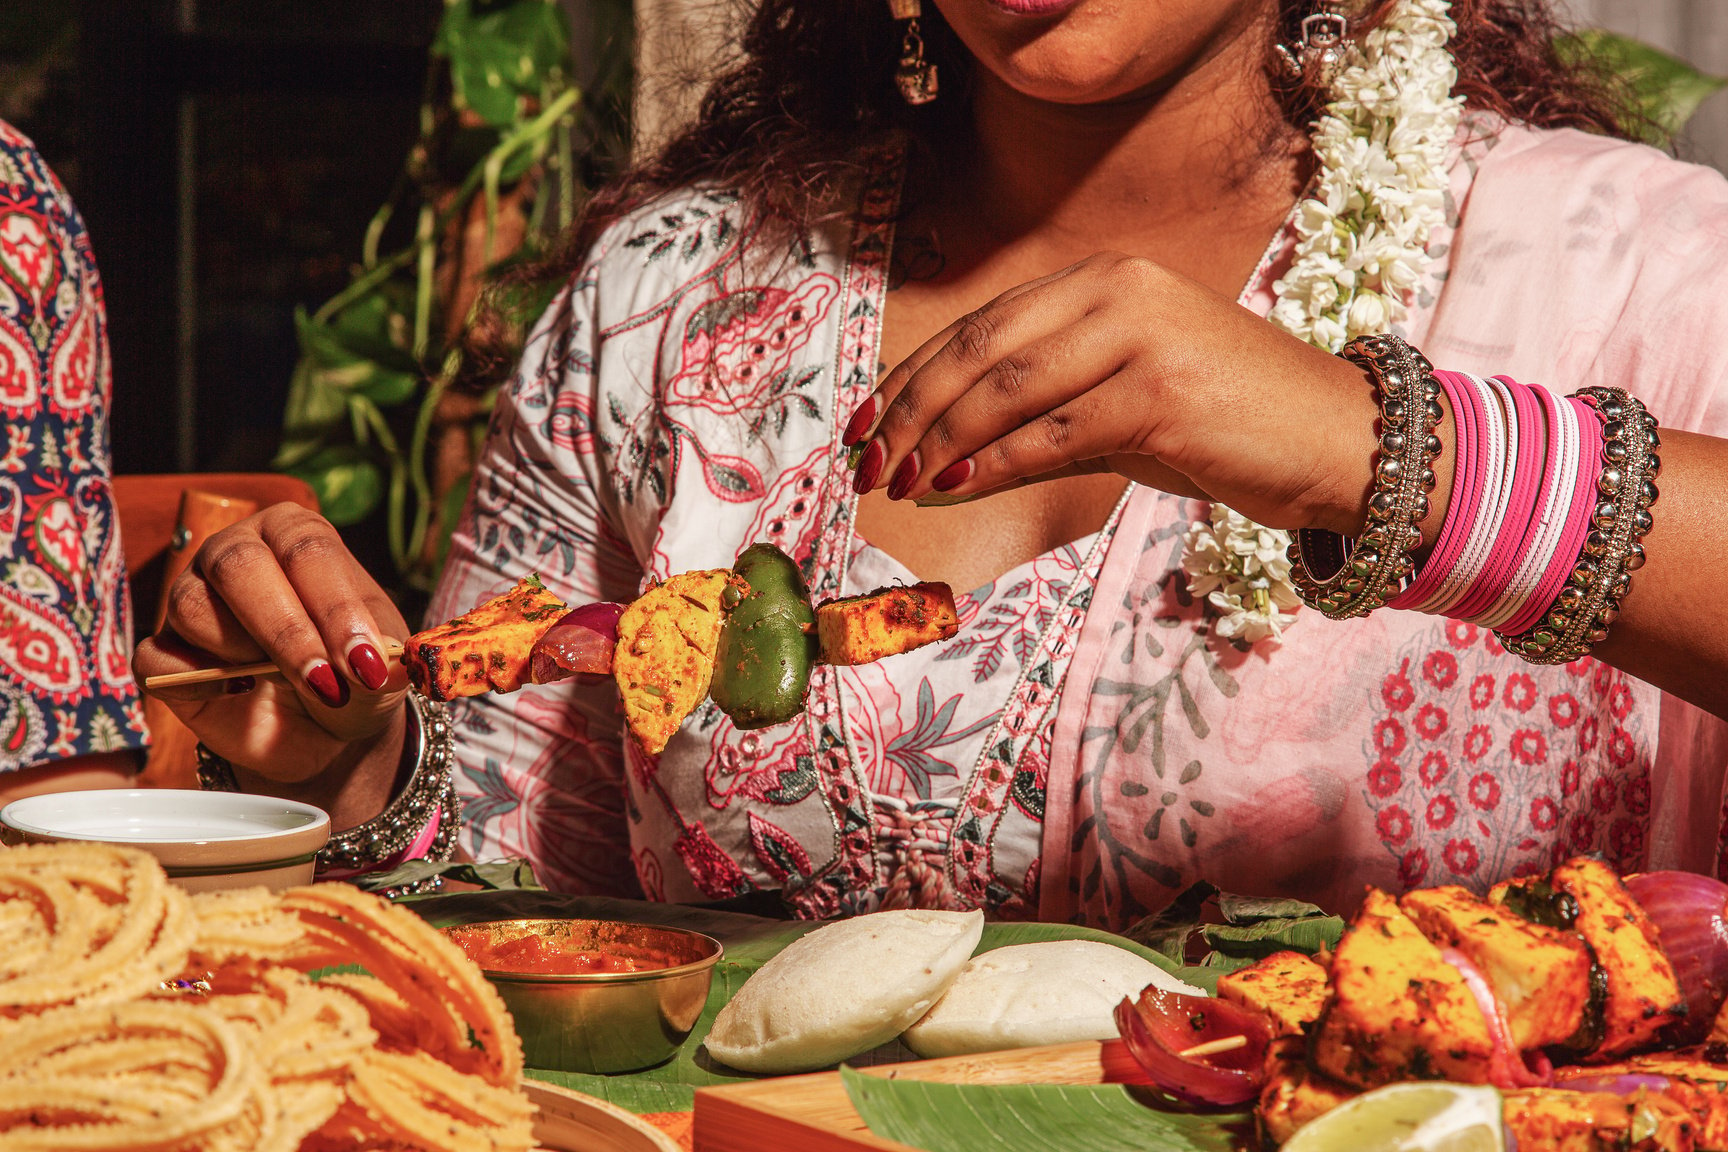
[[1055, 992], [843, 989]]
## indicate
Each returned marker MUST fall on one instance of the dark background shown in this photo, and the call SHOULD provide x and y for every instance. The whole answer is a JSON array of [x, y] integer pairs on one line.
[[226, 155]]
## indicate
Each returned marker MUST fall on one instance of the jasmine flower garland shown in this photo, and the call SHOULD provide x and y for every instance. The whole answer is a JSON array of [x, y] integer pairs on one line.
[[1361, 248]]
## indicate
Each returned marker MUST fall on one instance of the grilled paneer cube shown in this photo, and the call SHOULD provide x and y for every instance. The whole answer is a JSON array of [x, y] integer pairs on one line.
[[1693, 1083], [485, 650], [886, 622], [1294, 1093], [1398, 1011], [1288, 986], [1643, 995], [1557, 1121], [1541, 975], [665, 655]]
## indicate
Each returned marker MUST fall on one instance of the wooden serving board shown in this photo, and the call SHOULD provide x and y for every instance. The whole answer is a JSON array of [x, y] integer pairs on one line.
[[572, 1122], [813, 1113]]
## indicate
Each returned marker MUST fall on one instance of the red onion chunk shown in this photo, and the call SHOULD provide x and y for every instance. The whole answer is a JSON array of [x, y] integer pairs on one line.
[[1619, 1084], [1161, 1025], [581, 643], [1507, 1068], [1688, 910]]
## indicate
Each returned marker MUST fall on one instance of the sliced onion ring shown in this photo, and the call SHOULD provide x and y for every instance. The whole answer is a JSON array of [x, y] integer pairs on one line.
[[1161, 1025], [1688, 911], [580, 644], [1507, 1067]]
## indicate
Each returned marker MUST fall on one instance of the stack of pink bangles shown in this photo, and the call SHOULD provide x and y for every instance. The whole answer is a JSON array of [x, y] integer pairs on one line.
[[1550, 497]]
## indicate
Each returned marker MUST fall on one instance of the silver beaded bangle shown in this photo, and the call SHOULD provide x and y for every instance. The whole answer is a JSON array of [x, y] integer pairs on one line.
[[1344, 578], [429, 789], [429, 745], [1589, 603]]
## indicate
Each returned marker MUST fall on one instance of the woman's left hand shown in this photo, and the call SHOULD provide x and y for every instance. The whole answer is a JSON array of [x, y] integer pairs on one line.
[[1118, 363]]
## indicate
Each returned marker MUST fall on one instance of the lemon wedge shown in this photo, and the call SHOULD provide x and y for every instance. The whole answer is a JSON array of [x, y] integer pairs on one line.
[[1423, 1117]]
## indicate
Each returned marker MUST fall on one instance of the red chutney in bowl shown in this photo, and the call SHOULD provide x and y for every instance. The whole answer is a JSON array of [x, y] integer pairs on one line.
[[547, 955]]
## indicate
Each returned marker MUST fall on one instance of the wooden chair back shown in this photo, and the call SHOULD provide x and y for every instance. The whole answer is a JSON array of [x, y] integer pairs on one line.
[[164, 520]]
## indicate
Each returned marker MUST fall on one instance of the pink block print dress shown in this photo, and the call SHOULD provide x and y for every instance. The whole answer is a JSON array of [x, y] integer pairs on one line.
[[1085, 747]]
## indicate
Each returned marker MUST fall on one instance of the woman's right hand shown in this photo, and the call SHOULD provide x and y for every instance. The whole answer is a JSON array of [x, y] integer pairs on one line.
[[281, 586]]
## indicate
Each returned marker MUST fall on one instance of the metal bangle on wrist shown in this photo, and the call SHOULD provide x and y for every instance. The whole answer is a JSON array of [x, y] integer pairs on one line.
[[1589, 603], [1344, 578], [430, 791]]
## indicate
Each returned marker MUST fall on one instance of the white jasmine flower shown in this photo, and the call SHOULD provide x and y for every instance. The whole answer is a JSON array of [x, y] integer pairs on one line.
[[1361, 249], [1242, 570]]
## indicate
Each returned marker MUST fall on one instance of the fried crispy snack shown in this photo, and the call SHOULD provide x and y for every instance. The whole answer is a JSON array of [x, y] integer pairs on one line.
[[87, 924], [665, 657], [486, 649], [886, 622], [465, 1014], [243, 1052], [1398, 1011]]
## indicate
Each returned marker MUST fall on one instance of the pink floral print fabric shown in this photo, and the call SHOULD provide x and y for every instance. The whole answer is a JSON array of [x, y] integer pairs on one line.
[[1086, 747]]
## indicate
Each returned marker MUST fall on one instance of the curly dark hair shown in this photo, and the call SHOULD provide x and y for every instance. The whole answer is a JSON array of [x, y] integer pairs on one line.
[[812, 90]]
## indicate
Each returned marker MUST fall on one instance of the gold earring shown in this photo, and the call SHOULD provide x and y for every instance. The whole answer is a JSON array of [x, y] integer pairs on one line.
[[916, 76]]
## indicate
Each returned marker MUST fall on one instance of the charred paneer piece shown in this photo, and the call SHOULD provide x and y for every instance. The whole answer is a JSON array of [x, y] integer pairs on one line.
[[1398, 1011], [665, 656], [1288, 986], [1559, 1121], [1643, 996], [886, 622], [1293, 1093], [485, 650], [1541, 974], [1694, 1083]]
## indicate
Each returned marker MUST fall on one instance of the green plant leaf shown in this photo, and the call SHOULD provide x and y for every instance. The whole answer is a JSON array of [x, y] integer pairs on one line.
[[347, 483], [1252, 928], [492, 876], [750, 941], [1037, 1117], [1667, 89], [499, 52], [334, 363]]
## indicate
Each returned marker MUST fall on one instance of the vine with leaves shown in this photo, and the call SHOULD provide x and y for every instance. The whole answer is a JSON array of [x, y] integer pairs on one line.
[[507, 147]]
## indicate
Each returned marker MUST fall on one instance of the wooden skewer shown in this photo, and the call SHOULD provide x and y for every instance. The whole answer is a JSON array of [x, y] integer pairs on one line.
[[1213, 1047], [392, 651]]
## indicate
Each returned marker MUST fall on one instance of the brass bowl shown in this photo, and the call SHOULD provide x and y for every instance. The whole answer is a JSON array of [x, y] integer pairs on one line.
[[605, 1021]]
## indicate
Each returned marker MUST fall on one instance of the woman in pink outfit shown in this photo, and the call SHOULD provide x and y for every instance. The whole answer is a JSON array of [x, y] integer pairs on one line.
[[1003, 241]]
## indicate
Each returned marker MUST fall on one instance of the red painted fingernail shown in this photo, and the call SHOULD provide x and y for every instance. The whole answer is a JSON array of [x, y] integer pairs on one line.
[[330, 687], [903, 476], [953, 476], [239, 685], [861, 421], [869, 467], [368, 665]]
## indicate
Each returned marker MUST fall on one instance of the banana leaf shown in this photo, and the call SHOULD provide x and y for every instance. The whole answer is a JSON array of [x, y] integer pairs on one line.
[[1037, 1118], [750, 941]]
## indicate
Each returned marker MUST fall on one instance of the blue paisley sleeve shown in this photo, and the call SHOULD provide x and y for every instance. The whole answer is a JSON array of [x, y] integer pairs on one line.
[[65, 620]]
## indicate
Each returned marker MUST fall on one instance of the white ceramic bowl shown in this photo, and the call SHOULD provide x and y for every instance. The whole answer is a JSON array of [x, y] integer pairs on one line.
[[204, 840]]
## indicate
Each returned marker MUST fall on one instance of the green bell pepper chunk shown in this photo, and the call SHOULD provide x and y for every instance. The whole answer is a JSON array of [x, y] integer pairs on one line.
[[767, 644]]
